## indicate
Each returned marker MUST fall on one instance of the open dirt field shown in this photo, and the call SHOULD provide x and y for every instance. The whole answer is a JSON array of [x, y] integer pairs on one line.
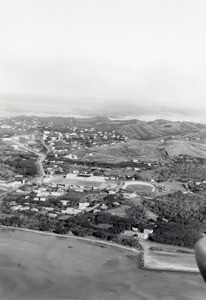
[[49, 267], [165, 257]]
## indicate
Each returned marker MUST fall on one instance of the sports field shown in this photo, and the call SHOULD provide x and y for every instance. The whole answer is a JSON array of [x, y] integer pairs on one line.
[[77, 181], [138, 186], [49, 267]]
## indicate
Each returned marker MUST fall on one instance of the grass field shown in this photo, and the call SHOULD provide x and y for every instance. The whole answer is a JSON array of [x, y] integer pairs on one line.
[[178, 147], [123, 152], [49, 267]]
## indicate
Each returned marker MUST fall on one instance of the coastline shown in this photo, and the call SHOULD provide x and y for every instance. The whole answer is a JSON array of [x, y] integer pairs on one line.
[[86, 239], [148, 261]]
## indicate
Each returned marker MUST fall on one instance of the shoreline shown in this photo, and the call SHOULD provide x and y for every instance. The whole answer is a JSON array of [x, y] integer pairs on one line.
[[142, 251], [86, 239]]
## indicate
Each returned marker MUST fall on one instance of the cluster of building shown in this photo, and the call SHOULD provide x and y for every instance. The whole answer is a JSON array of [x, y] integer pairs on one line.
[[17, 181], [19, 125], [39, 202], [63, 144], [28, 142], [135, 233]]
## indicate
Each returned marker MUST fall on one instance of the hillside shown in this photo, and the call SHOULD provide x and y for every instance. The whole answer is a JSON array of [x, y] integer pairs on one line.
[[178, 147], [158, 128], [133, 129], [140, 150]]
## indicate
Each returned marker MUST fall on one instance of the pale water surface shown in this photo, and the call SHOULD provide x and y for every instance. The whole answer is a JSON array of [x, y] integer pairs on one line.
[[41, 266]]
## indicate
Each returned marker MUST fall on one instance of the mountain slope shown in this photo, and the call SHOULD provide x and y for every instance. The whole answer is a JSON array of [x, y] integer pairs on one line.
[[158, 128]]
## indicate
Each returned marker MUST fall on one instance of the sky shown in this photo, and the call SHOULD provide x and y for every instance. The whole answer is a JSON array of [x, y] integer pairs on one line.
[[126, 51]]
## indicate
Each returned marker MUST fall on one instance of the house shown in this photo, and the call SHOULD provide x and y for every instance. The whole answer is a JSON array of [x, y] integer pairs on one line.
[[42, 199], [104, 206], [77, 189], [116, 203], [16, 207], [43, 193], [70, 211], [130, 195], [147, 233], [15, 184], [49, 208], [137, 234], [52, 215], [24, 208], [84, 205], [74, 172], [57, 194], [34, 209], [71, 156], [64, 202], [112, 192]]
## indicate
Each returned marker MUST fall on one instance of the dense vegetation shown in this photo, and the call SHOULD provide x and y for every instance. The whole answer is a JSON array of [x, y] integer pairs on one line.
[[100, 225], [184, 168], [181, 218], [22, 164]]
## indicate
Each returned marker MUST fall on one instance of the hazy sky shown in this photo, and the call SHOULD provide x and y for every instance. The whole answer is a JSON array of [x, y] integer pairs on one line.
[[123, 50]]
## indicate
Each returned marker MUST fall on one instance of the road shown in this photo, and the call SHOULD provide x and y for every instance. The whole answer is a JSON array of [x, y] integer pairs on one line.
[[41, 157]]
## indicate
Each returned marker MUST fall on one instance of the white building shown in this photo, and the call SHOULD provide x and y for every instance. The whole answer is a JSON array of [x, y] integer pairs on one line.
[[83, 206], [64, 202], [42, 199], [34, 209], [49, 208], [52, 215], [70, 211]]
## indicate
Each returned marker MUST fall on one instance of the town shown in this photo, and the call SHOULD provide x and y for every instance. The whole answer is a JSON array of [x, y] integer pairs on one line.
[[55, 176]]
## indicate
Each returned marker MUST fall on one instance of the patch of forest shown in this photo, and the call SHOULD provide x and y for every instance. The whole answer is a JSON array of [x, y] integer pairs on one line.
[[184, 168], [22, 164], [181, 218]]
